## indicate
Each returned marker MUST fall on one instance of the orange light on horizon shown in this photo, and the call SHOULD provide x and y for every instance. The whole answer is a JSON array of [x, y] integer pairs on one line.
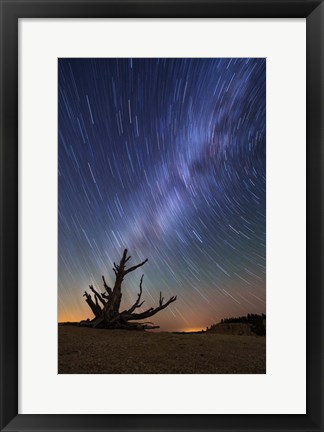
[[192, 329], [72, 317]]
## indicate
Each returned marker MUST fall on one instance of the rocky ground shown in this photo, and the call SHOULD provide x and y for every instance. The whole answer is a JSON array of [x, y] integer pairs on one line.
[[92, 351]]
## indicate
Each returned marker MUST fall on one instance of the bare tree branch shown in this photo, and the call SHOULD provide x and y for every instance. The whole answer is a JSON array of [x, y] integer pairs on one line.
[[108, 289], [97, 295], [161, 299], [137, 304], [96, 310], [150, 312], [135, 267]]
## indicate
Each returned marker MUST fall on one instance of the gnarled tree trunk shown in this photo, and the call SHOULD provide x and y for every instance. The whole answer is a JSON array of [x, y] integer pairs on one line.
[[106, 305]]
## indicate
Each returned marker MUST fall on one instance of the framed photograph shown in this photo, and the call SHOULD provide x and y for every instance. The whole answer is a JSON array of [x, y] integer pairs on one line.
[[161, 223]]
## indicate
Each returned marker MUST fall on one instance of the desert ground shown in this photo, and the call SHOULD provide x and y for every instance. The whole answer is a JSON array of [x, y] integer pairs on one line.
[[84, 350]]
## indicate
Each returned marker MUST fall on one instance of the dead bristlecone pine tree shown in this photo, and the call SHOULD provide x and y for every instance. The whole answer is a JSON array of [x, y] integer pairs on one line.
[[105, 306]]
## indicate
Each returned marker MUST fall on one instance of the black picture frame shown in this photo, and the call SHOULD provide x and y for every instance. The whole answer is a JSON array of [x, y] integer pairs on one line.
[[11, 12]]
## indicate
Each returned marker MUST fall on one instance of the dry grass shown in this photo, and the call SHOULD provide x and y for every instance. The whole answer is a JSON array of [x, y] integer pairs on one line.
[[85, 350]]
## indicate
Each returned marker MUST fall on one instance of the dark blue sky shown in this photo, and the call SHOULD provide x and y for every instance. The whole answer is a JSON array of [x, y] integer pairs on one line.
[[166, 157]]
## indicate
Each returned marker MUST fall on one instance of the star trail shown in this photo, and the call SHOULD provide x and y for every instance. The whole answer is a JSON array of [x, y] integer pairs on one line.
[[166, 157]]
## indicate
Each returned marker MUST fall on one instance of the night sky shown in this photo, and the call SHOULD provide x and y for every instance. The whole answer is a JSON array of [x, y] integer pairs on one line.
[[166, 157]]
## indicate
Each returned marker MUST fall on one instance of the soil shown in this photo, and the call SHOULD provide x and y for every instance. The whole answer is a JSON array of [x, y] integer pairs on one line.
[[83, 350]]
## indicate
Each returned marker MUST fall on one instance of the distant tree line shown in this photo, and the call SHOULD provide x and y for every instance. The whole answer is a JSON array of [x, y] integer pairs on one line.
[[258, 322]]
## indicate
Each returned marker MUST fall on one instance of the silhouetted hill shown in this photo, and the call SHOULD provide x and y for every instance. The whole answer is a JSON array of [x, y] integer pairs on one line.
[[249, 324]]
